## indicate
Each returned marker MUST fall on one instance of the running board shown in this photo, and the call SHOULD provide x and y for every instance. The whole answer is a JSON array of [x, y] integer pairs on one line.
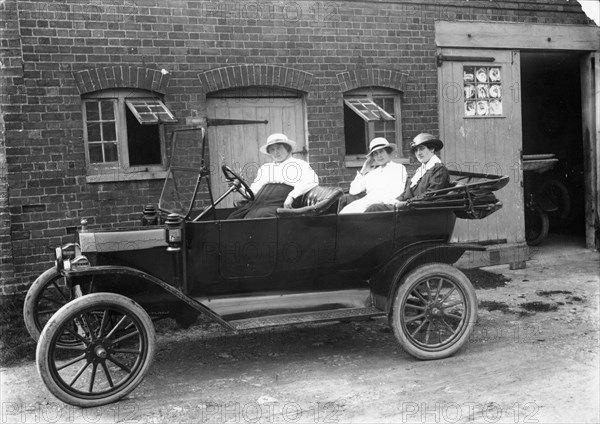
[[306, 317]]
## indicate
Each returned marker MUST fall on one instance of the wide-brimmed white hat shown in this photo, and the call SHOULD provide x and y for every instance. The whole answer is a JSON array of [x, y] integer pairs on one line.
[[379, 143], [276, 139], [428, 140]]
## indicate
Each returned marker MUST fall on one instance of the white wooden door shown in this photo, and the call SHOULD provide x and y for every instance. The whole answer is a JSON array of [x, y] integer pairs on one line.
[[486, 139], [237, 145]]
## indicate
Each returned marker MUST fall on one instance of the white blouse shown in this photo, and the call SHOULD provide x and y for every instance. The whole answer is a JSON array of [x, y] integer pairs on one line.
[[294, 172], [382, 184]]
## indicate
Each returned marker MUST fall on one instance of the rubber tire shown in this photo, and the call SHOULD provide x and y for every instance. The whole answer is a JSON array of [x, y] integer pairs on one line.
[[418, 275], [63, 316], [541, 218], [559, 195], [30, 305]]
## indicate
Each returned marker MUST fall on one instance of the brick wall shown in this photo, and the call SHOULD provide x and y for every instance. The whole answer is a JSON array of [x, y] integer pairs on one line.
[[46, 44], [11, 87]]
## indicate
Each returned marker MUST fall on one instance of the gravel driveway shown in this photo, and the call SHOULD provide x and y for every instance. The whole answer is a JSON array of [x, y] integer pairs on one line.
[[532, 358]]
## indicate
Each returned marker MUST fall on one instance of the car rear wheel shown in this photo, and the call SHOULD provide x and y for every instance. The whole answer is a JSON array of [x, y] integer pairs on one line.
[[434, 311], [114, 351]]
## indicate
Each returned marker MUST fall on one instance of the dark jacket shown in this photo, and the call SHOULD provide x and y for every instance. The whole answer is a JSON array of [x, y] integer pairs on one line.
[[434, 179]]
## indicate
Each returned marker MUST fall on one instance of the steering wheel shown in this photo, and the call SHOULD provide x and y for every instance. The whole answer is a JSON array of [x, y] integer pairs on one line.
[[240, 185]]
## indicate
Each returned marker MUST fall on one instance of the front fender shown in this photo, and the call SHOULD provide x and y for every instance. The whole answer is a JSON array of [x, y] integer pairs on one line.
[[138, 285], [386, 281]]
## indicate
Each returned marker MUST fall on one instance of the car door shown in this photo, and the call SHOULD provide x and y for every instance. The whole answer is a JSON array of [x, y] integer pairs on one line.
[[365, 241], [248, 249]]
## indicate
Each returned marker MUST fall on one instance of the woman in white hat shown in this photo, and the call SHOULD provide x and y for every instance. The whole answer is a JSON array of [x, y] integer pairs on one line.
[[431, 175], [279, 182], [381, 179]]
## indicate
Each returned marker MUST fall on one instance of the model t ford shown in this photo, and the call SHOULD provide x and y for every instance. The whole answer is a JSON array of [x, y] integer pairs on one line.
[[92, 312]]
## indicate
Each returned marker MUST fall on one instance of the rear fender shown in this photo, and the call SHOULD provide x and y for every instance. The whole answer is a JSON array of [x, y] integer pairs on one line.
[[140, 286], [385, 283]]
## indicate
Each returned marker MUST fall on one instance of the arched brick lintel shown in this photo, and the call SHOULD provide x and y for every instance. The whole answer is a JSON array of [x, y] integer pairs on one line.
[[350, 80], [122, 76], [254, 75]]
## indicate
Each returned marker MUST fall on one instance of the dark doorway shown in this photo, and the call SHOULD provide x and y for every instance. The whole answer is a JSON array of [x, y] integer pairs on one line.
[[552, 124]]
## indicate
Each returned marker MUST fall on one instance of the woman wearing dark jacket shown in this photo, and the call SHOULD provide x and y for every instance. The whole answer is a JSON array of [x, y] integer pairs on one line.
[[431, 175]]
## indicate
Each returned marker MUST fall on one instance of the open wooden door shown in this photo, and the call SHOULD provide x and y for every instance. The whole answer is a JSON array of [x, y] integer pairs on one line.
[[480, 124], [590, 107], [237, 145]]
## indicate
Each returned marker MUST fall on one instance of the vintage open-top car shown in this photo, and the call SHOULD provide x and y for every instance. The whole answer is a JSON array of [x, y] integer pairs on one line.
[[92, 312]]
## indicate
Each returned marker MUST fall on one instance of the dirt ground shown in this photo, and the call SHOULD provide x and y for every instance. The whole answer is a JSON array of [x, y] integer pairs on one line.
[[533, 358]]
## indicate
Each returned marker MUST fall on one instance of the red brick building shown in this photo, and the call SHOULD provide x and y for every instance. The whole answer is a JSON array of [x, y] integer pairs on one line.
[[76, 74]]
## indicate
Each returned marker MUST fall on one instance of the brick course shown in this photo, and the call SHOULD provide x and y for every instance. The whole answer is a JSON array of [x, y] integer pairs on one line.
[[55, 51]]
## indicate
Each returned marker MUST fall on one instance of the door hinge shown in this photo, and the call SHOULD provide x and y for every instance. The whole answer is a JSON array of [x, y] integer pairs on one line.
[[442, 58], [302, 152]]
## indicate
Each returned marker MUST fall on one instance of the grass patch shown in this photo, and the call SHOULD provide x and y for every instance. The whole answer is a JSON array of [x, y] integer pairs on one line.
[[15, 343], [482, 279], [539, 306], [492, 305]]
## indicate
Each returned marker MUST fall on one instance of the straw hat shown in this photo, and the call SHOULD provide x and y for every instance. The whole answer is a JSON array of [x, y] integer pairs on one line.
[[428, 140], [379, 143], [277, 138]]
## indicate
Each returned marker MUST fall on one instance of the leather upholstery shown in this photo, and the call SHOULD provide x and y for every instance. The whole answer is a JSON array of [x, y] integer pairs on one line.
[[317, 201]]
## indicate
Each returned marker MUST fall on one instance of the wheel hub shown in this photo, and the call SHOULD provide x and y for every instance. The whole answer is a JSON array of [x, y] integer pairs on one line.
[[433, 311], [100, 352]]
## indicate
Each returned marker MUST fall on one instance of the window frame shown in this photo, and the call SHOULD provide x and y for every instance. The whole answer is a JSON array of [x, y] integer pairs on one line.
[[357, 160], [121, 170]]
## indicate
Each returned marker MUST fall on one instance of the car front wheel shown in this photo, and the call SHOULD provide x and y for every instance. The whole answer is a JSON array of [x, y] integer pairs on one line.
[[114, 351], [434, 311]]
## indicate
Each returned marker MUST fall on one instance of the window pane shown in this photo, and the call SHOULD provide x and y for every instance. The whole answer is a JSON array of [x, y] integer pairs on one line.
[[93, 131], [368, 110], [95, 153], [147, 117], [163, 116], [110, 152], [108, 131], [107, 110], [149, 111], [386, 103], [143, 142], [91, 111]]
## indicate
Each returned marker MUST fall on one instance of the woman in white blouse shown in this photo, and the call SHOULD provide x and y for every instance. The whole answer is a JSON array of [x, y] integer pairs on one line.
[[279, 182], [381, 179], [431, 175]]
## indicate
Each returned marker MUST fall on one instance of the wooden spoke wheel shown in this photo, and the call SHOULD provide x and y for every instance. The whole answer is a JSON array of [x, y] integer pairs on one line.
[[434, 311], [48, 293], [114, 351]]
